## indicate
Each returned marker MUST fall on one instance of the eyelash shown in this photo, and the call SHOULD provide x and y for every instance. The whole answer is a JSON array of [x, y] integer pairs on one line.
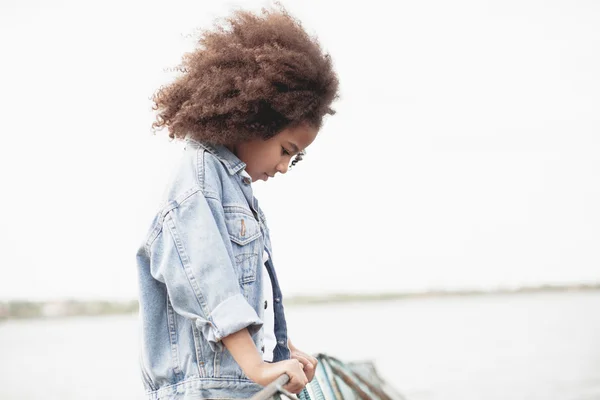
[[284, 151]]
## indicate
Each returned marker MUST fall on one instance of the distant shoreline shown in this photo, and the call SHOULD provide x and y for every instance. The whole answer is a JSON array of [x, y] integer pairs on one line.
[[344, 298], [19, 309]]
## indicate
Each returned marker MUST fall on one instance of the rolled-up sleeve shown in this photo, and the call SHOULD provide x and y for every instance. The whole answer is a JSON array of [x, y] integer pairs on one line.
[[191, 258]]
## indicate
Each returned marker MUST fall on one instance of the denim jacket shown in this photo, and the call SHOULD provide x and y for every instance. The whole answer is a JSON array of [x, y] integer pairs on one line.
[[200, 279]]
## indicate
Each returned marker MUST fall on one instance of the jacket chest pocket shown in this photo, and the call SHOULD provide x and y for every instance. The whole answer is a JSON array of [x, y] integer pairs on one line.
[[244, 232]]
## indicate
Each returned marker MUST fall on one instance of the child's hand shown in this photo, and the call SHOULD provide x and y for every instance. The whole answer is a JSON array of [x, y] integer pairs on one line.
[[243, 350], [268, 372], [309, 363]]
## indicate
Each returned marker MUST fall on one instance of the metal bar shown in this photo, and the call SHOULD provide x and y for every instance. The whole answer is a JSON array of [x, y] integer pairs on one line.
[[272, 388]]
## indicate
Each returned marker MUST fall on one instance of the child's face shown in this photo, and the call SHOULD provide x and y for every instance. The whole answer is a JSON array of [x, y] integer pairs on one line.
[[264, 158]]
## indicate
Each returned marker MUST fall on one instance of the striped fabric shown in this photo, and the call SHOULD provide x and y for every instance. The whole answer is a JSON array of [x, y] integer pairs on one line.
[[335, 380]]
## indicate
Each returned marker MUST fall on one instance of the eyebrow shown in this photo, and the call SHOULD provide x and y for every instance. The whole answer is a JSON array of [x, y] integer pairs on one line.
[[296, 149]]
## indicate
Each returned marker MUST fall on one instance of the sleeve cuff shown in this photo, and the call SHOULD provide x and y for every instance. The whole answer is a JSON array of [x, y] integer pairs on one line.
[[230, 316]]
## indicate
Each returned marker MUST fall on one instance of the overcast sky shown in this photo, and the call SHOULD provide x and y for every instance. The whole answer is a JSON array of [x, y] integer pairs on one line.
[[465, 151]]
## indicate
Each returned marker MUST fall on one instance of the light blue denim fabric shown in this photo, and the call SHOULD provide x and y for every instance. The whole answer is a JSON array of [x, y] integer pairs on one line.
[[200, 280]]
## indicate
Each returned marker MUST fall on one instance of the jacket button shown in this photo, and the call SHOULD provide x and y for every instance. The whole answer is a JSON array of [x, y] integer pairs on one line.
[[262, 349], [265, 304], [277, 299], [281, 342], [247, 181]]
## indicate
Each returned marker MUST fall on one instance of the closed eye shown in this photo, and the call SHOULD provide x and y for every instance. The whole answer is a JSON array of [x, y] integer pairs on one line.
[[285, 152]]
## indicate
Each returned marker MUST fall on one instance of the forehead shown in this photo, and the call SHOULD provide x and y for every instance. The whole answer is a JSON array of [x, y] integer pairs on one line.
[[301, 136]]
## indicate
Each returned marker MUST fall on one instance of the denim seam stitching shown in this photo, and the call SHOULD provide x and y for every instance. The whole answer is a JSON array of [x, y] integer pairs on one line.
[[171, 205], [198, 351], [170, 389], [186, 265], [173, 339], [200, 168]]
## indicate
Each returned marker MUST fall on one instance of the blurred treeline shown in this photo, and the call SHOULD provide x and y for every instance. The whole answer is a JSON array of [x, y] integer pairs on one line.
[[69, 308]]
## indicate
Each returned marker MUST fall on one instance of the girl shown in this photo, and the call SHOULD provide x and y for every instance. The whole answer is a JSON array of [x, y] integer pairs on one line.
[[248, 102]]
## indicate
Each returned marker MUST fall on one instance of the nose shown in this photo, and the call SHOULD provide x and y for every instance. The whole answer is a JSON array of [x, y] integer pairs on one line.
[[282, 167]]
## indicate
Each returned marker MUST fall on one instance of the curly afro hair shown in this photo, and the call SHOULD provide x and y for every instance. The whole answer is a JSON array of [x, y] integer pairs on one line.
[[251, 77]]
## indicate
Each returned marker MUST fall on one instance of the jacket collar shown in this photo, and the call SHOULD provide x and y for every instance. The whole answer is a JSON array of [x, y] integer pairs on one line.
[[223, 154]]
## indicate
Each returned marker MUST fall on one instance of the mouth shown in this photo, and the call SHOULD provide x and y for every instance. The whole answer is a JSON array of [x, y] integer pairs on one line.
[[265, 177]]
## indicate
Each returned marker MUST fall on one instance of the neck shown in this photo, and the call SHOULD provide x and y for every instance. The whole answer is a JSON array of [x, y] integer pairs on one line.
[[231, 148]]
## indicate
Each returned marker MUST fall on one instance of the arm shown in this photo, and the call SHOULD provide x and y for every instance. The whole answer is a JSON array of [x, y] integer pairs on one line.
[[243, 350], [191, 258]]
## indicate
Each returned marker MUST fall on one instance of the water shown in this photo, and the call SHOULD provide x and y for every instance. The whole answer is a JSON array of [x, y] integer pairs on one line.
[[530, 346]]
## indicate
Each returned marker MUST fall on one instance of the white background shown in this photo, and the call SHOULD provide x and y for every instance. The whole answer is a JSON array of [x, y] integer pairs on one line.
[[464, 153]]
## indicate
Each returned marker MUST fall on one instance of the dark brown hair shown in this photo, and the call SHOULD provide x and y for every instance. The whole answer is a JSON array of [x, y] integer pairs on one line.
[[251, 77]]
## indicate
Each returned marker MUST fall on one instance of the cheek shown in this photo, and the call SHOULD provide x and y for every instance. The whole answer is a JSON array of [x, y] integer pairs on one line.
[[256, 162], [262, 157]]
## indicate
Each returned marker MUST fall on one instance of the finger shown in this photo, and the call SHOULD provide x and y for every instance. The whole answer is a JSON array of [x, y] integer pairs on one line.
[[294, 387], [301, 375], [303, 360], [310, 358], [296, 373], [307, 367], [311, 367], [310, 372]]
